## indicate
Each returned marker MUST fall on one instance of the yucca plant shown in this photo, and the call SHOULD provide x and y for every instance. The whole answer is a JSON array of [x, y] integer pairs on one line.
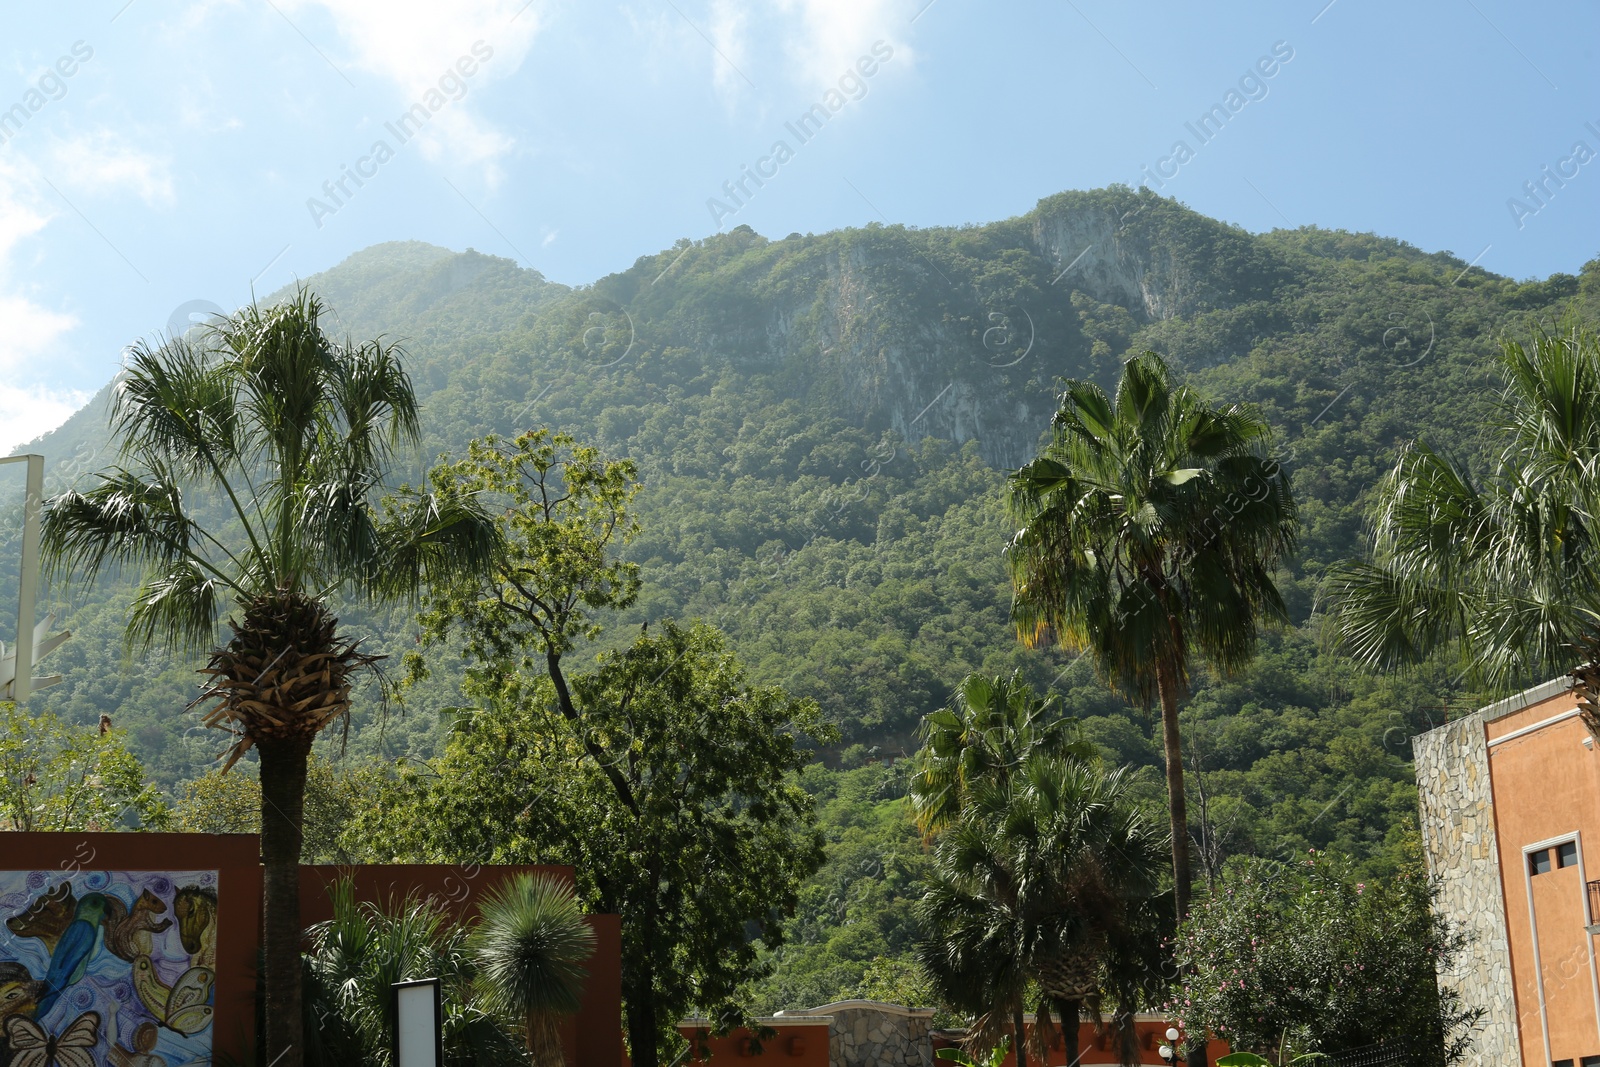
[[291, 434], [530, 946]]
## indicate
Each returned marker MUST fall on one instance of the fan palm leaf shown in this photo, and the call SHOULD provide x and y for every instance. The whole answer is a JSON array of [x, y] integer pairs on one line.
[[1502, 573]]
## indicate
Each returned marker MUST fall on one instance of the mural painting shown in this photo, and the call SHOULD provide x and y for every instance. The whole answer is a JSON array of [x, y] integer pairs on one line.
[[107, 968]]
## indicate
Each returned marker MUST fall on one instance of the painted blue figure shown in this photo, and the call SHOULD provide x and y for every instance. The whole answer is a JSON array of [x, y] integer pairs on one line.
[[70, 960]]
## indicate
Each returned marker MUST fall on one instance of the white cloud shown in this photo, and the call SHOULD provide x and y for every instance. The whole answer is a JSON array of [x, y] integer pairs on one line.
[[831, 35], [30, 332], [29, 411], [31, 339], [729, 22], [805, 44], [103, 163], [413, 43]]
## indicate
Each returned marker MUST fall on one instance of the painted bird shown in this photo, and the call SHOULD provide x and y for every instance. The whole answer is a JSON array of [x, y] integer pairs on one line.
[[70, 959]]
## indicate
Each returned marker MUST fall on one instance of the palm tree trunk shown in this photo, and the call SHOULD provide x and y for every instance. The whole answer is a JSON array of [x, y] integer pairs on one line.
[[641, 1012], [1177, 806], [283, 790], [1016, 1035]]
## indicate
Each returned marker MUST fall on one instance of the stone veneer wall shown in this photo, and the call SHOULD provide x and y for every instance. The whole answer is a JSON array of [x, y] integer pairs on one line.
[[1457, 809], [866, 1033]]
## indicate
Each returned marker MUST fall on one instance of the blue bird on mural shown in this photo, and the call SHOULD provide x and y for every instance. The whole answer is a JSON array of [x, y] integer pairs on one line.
[[70, 959]]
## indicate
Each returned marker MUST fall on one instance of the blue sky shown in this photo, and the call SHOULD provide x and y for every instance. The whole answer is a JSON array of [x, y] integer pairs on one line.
[[185, 156]]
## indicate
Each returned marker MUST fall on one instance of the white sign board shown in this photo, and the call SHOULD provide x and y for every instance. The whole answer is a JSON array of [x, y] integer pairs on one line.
[[419, 1024]]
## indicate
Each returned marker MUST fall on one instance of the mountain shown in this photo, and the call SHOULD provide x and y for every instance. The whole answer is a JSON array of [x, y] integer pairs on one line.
[[822, 424]]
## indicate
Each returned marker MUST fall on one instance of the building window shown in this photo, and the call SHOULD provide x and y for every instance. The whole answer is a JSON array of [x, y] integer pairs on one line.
[[1590, 1061], [1567, 856], [1539, 863], [1562, 1063]]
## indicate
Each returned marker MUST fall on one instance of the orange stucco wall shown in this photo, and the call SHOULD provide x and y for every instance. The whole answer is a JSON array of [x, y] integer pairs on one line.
[[1546, 786]]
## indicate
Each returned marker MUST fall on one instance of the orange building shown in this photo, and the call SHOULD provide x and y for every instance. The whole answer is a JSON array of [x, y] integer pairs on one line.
[[1510, 805]]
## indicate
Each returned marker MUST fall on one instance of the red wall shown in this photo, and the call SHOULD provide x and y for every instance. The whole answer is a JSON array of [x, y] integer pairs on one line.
[[593, 1037], [794, 1046], [737, 1049]]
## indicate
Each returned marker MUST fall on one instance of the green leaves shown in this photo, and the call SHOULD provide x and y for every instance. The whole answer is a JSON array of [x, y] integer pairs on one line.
[[1045, 881], [58, 778], [1504, 574], [663, 776], [530, 947], [354, 958], [1159, 499], [988, 734], [562, 514], [295, 431], [1310, 957]]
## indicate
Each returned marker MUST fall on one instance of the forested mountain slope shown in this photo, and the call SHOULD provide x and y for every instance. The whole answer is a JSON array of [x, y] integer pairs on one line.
[[822, 423]]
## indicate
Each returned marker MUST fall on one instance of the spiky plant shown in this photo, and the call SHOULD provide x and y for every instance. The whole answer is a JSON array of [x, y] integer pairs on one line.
[[352, 962], [1149, 529], [286, 436], [531, 945]]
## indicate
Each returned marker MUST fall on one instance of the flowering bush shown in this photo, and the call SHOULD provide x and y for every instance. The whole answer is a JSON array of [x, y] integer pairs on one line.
[[1306, 957]]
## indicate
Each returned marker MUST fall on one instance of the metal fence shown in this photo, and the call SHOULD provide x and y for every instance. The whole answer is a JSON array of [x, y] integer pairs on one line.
[[1371, 1056]]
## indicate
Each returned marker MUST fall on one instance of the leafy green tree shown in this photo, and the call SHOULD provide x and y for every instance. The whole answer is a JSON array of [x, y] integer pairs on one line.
[[295, 432], [353, 959], [662, 775], [218, 803], [688, 824], [1307, 957], [1150, 526], [1047, 884], [55, 777], [530, 945], [988, 733], [1503, 573], [854, 924]]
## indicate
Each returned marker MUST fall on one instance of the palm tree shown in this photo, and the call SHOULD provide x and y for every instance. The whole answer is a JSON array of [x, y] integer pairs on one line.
[[531, 945], [1047, 877], [988, 731], [1504, 572], [1149, 525], [290, 435]]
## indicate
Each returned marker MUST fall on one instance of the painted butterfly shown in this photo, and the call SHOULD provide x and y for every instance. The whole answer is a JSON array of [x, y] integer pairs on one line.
[[32, 1047]]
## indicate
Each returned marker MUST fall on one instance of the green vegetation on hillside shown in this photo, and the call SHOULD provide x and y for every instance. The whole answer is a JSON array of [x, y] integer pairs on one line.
[[822, 426]]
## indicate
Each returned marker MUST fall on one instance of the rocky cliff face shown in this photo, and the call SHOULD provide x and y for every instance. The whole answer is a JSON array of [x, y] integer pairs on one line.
[[1105, 254], [961, 369]]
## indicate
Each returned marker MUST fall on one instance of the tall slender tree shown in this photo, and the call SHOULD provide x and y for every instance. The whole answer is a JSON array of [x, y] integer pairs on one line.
[[1149, 529], [287, 435], [1502, 572]]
